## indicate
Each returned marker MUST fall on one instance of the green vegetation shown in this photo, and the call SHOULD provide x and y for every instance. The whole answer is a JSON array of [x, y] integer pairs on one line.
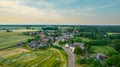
[[78, 50], [8, 39], [113, 61], [103, 49], [99, 40], [21, 57]]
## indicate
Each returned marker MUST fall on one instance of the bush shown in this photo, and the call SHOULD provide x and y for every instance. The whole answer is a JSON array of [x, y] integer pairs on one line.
[[78, 50], [96, 63], [62, 42], [114, 60], [89, 60], [57, 47], [81, 60]]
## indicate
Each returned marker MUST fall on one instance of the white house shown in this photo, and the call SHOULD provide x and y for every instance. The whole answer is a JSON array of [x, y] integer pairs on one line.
[[67, 45]]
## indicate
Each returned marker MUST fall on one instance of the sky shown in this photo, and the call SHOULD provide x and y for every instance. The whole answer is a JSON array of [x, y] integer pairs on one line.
[[62, 12]]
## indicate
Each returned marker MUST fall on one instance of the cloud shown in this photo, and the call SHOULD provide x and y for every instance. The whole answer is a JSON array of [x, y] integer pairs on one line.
[[88, 8], [46, 12]]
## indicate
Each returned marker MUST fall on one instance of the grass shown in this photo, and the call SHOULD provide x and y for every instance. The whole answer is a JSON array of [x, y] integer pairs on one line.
[[23, 30], [103, 49], [20, 57], [85, 39], [8, 39], [112, 33]]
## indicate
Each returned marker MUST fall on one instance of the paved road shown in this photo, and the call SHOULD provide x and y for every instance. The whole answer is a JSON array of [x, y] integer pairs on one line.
[[71, 56], [69, 52]]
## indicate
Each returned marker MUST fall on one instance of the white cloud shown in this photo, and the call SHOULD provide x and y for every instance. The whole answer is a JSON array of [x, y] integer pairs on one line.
[[20, 11]]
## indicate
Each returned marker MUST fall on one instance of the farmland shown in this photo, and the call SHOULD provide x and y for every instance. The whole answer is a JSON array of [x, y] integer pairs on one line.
[[8, 39], [21, 57], [24, 56]]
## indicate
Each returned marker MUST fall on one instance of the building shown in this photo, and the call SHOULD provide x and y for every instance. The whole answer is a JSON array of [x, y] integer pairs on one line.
[[67, 45], [81, 45]]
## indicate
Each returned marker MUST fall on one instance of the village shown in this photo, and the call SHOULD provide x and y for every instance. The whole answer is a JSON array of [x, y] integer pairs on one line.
[[64, 39], [65, 46]]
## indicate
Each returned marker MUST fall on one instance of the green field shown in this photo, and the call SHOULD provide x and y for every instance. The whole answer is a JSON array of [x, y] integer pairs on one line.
[[23, 57], [20, 27], [20, 57], [103, 49], [112, 33], [8, 39]]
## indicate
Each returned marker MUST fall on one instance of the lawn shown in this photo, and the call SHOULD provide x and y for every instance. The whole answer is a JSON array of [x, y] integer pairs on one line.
[[20, 57], [103, 49], [8, 39]]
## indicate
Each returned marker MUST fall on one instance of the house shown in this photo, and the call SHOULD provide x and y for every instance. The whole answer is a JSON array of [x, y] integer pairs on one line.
[[81, 45], [41, 35], [45, 40], [100, 57], [72, 35], [62, 39], [72, 48], [34, 44], [43, 44], [67, 45]]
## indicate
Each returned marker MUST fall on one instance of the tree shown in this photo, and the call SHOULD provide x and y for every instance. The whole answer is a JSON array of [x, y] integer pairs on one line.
[[62, 42], [113, 61], [81, 60], [8, 30], [78, 50], [89, 60], [96, 63], [117, 47]]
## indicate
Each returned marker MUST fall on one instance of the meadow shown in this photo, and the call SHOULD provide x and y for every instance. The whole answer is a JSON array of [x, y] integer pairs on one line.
[[20, 57], [8, 39], [24, 56]]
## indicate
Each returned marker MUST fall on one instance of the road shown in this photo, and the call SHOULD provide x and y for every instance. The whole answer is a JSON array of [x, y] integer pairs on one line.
[[69, 52]]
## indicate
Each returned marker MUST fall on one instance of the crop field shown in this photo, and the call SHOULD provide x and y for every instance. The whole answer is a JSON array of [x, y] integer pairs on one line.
[[23, 30], [20, 57], [8, 39]]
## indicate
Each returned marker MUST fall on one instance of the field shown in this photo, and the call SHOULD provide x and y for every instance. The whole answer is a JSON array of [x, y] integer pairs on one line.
[[112, 33], [8, 39], [103, 49], [23, 30], [14, 27], [20, 57], [25, 57]]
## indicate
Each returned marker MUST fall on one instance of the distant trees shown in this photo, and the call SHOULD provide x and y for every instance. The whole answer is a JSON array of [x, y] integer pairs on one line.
[[8, 30], [28, 27], [49, 28]]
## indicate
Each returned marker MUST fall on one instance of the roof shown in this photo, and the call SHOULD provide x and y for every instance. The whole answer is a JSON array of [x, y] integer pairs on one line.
[[66, 45], [78, 44], [45, 40], [34, 44]]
